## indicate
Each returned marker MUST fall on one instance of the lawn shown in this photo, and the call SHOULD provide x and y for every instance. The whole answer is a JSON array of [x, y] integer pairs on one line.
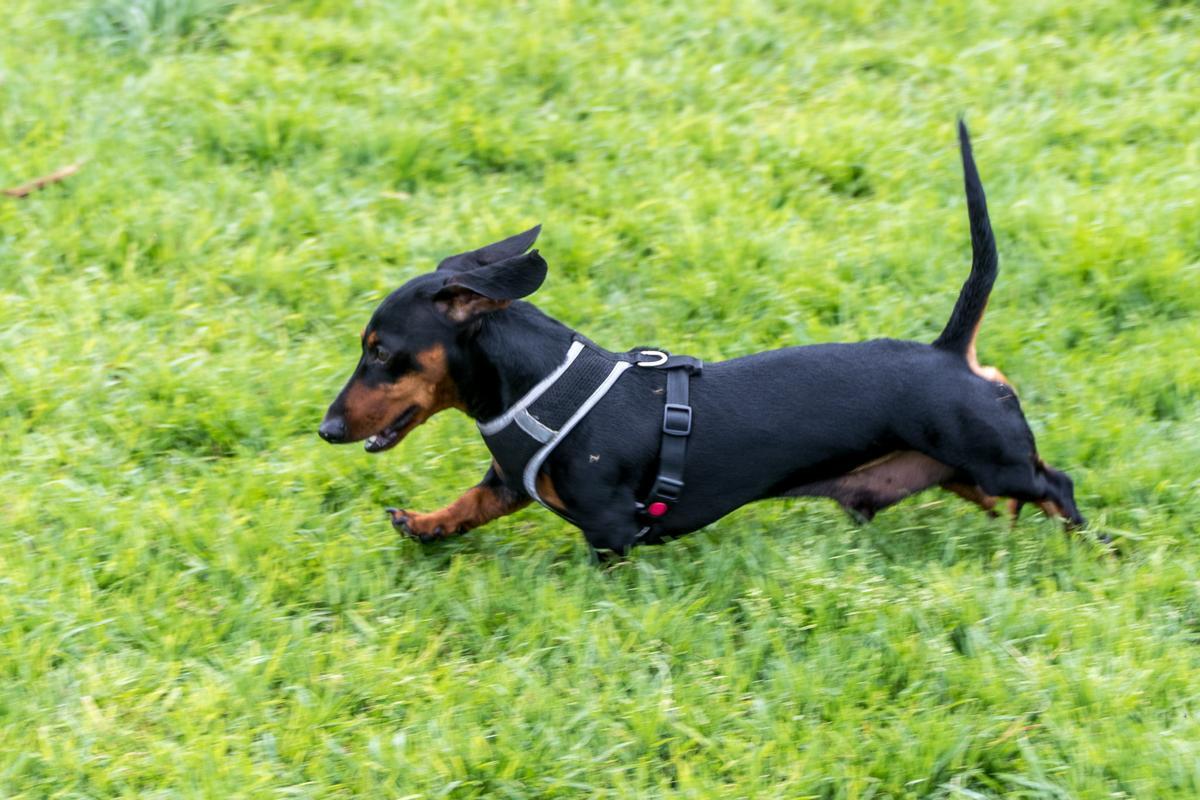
[[198, 598]]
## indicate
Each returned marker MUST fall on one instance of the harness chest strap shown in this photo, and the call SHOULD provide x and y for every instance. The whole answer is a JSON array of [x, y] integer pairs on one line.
[[524, 436], [672, 454], [520, 407], [529, 477]]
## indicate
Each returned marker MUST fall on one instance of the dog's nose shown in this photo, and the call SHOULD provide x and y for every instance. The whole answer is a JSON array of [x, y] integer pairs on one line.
[[333, 430]]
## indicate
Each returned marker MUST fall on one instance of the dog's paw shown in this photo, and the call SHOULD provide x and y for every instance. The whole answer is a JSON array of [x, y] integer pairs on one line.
[[424, 528]]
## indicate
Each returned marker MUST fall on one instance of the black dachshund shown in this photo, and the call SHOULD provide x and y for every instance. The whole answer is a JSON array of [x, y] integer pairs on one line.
[[571, 425]]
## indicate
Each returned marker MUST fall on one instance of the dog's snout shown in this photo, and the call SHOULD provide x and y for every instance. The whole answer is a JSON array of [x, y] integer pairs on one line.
[[333, 430]]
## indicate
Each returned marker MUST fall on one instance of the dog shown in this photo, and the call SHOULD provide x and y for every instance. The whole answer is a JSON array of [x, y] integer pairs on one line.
[[866, 424]]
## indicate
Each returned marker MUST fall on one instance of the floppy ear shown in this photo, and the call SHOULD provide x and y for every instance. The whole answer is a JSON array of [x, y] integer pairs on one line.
[[465, 295], [493, 253]]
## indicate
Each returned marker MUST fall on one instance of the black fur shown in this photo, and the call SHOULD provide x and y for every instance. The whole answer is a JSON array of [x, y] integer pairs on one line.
[[968, 311], [866, 423], [493, 253], [518, 276]]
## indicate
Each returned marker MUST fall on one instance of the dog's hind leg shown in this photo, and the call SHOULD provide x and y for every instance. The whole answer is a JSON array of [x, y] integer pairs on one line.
[[972, 493], [1049, 489], [872, 487], [1060, 499], [996, 458]]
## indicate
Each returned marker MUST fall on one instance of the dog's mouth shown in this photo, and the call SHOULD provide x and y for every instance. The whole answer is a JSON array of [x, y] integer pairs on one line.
[[390, 436]]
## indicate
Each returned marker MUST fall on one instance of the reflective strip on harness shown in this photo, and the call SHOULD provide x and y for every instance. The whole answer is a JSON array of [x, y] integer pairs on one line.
[[531, 425], [499, 423], [535, 463], [526, 434]]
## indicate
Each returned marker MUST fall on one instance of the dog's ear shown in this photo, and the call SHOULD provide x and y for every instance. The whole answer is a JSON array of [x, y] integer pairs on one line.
[[466, 295], [492, 254]]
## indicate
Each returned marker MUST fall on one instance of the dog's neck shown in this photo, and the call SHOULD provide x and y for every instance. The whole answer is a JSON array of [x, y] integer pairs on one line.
[[506, 354]]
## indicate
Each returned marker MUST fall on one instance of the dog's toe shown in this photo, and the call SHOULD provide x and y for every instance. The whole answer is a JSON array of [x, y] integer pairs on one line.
[[410, 526], [426, 538], [400, 521]]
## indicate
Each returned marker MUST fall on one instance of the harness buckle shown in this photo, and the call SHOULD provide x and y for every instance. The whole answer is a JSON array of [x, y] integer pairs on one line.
[[677, 419], [659, 357], [667, 488]]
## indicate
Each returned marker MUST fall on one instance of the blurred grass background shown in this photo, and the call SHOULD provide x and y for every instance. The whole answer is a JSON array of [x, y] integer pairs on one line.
[[200, 599]]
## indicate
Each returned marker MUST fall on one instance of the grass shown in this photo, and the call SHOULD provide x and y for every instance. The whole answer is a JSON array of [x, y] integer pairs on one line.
[[200, 599], [150, 25]]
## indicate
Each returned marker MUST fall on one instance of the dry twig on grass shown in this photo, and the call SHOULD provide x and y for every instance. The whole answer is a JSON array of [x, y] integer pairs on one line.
[[26, 189]]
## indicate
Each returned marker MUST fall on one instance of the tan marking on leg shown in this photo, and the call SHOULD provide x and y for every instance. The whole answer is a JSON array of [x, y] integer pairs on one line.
[[477, 506], [974, 494], [545, 489], [1051, 509], [1054, 508]]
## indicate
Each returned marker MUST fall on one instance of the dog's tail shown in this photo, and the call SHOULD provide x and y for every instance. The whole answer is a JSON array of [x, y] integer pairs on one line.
[[959, 334]]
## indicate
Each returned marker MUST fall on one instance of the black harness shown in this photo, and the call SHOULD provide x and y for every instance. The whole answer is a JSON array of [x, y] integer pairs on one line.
[[676, 427], [522, 438]]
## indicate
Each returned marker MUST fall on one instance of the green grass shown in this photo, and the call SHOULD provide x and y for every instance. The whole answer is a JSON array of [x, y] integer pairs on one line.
[[200, 599]]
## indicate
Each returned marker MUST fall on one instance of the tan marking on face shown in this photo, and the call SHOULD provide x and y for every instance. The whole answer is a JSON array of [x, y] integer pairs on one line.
[[372, 339], [545, 489], [430, 389]]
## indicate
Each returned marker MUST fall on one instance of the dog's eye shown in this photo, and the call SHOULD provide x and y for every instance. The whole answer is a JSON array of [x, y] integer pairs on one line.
[[378, 354]]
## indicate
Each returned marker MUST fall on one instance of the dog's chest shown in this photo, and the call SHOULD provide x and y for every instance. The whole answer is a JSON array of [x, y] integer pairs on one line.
[[522, 438]]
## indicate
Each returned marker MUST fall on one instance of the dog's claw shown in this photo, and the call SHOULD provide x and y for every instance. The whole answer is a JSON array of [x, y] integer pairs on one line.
[[403, 522], [424, 538]]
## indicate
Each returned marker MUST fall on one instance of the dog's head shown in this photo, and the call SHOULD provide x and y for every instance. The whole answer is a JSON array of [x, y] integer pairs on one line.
[[403, 374]]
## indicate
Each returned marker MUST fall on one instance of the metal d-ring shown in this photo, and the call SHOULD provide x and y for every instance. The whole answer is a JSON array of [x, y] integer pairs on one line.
[[658, 354]]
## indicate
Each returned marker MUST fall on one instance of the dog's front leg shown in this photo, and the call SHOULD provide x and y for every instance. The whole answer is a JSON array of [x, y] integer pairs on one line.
[[479, 505]]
